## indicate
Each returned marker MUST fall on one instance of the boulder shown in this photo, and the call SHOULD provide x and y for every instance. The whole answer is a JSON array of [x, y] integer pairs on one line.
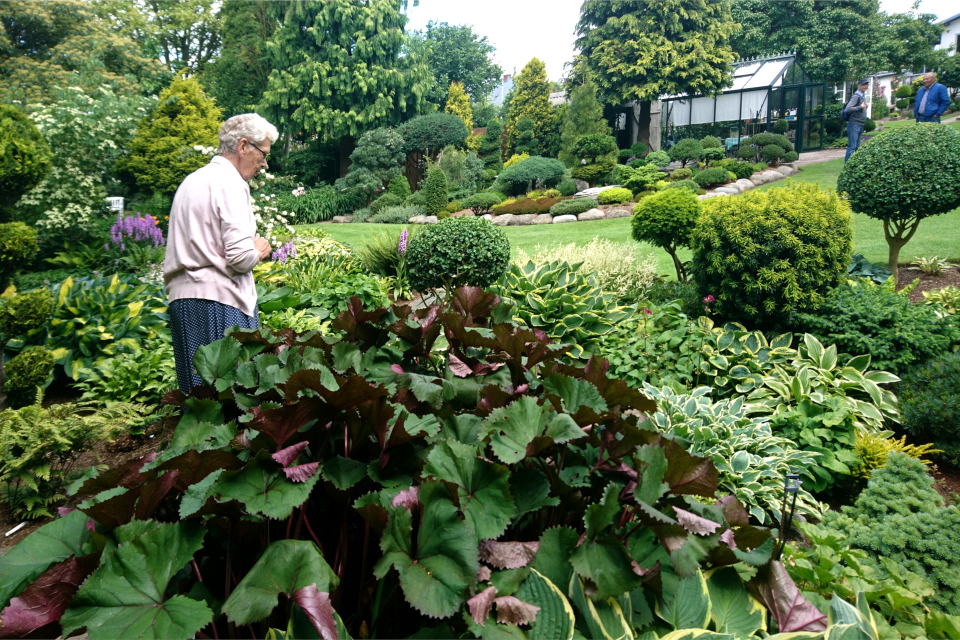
[[619, 213], [562, 219], [416, 220], [745, 184], [430, 220], [581, 184], [761, 178], [730, 191], [787, 170], [592, 214], [341, 219], [594, 192], [503, 219], [543, 218], [772, 176], [488, 216], [521, 219], [711, 194]]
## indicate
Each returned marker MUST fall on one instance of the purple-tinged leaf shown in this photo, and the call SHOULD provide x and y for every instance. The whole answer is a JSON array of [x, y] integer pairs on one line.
[[775, 588], [44, 601], [694, 523], [508, 555], [397, 369], [174, 398], [194, 466], [153, 493], [115, 511], [301, 472], [510, 610], [62, 512], [689, 474], [733, 511], [458, 367], [484, 574], [473, 302], [319, 610], [728, 538], [408, 499], [288, 455], [481, 604], [126, 475]]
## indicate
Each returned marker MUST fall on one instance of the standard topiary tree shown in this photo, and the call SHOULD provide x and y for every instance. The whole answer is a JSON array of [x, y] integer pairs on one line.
[[903, 177], [24, 156], [433, 132], [598, 152], [435, 191], [666, 220], [456, 252], [781, 126], [519, 178], [711, 142], [904, 91], [480, 203], [687, 150], [766, 255]]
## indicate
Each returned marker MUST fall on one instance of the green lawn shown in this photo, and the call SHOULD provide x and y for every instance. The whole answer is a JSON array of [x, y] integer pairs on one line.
[[938, 236], [897, 124]]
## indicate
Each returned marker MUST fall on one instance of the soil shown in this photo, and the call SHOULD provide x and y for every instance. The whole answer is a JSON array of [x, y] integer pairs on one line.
[[950, 278], [947, 481]]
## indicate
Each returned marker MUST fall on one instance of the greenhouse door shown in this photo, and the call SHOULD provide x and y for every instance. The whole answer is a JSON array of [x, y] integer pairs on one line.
[[813, 115]]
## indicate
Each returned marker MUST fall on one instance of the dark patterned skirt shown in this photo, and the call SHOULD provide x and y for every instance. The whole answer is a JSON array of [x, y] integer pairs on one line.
[[195, 323]]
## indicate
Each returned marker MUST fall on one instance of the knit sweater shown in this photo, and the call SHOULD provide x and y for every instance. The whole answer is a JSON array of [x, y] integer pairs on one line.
[[210, 250]]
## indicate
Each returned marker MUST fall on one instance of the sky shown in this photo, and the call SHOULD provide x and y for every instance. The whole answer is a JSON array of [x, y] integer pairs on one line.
[[524, 29]]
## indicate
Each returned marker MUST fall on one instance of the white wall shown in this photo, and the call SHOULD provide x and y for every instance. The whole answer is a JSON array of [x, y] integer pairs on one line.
[[949, 37]]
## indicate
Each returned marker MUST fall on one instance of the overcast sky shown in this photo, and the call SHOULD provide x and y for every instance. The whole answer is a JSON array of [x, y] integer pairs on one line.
[[523, 29]]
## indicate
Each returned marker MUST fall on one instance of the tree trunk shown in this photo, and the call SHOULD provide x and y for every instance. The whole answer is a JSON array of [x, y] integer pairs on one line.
[[643, 124], [897, 235], [678, 265], [346, 148], [894, 244]]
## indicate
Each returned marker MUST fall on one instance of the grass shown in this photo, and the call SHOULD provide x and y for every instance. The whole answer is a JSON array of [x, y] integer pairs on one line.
[[937, 236]]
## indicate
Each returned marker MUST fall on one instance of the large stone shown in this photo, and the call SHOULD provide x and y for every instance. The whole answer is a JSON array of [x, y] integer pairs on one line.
[[595, 191], [787, 170], [430, 220], [618, 213], [730, 191], [761, 178], [581, 184], [416, 219], [341, 219], [745, 184], [711, 194], [543, 218], [773, 176], [503, 219], [592, 214], [488, 216], [521, 219], [562, 219]]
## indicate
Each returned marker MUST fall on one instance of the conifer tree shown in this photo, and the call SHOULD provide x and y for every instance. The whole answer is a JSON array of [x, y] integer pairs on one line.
[[491, 149], [583, 117], [531, 99], [458, 103]]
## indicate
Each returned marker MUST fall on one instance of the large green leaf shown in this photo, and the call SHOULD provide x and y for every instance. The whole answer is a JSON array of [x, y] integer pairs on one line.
[[514, 429], [732, 608], [482, 487], [553, 558], [436, 576], [286, 566], [531, 491], [126, 597], [51, 543], [605, 617], [555, 620], [606, 563], [689, 606], [261, 490], [217, 360], [574, 393]]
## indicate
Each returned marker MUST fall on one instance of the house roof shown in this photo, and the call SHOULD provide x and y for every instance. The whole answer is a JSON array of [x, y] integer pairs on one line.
[[755, 73], [950, 19]]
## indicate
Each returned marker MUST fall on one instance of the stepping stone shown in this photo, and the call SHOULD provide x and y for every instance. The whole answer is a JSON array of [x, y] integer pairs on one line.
[[543, 218], [592, 214], [503, 219], [562, 219], [522, 219], [619, 213]]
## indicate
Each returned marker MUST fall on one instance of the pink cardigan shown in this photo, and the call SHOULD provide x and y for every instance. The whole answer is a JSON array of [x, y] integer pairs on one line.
[[210, 251]]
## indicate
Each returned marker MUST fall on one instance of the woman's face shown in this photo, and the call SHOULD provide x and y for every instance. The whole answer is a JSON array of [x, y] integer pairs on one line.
[[253, 157]]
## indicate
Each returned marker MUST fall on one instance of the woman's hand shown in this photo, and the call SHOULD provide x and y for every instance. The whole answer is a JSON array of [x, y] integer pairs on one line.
[[262, 247]]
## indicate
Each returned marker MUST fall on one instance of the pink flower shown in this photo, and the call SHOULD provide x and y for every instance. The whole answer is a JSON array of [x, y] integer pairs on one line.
[[709, 299], [648, 312]]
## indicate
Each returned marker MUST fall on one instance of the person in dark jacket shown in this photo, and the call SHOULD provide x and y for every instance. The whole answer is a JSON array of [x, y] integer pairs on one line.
[[932, 100], [857, 112]]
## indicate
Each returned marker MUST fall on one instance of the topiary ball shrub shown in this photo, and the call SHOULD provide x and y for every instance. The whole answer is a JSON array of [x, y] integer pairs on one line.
[[746, 152], [772, 153], [435, 192], [903, 103], [481, 203], [743, 170], [781, 126], [618, 195], [711, 142], [517, 179], [680, 174], [18, 245], [869, 125], [656, 158], [433, 132], [666, 220], [714, 154], [902, 177], [567, 187], [767, 255], [24, 155], [687, 150], [573, 206], [710, 177], [456, 252], [791, 156], [25, 312], [930, 404], [689, 185], [31, 369], [867, 319], [386, 200], [903, 91]]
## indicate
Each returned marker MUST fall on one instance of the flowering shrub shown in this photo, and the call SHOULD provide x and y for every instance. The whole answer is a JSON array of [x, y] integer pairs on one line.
[[272, 220], [285, 252]]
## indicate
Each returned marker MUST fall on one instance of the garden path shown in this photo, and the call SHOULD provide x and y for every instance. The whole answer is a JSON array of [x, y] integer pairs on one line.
[[813, 157]]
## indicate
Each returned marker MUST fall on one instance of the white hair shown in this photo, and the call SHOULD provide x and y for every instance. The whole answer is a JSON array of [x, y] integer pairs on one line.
[[253, 127]]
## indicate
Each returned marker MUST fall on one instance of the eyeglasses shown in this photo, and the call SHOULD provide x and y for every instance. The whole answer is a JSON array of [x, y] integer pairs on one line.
[[265, 155]]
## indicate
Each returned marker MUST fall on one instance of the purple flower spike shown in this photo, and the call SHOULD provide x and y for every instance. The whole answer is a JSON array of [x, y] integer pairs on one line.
[[402, 248]]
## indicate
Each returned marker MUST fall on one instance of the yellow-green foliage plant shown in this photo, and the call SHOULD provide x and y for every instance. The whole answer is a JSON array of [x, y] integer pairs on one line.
[[874, 449], [458, 103], [160, 154], [24, 155]]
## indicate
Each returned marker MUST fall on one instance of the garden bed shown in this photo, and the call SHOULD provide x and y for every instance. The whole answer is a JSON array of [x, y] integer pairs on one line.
[[950, 278]]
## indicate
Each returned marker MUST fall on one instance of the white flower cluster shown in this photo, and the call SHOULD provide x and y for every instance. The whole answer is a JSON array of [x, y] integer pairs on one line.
[[269, 218], [264, 179], [207, 151]]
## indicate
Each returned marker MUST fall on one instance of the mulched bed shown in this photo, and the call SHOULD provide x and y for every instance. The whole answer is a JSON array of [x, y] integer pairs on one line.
[[950, 278]]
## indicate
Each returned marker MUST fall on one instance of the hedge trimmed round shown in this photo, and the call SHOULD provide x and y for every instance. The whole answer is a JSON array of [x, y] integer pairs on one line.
[[457, 252]]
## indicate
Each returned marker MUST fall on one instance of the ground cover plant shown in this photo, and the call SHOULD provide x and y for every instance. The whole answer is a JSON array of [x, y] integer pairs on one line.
[[449, 472]]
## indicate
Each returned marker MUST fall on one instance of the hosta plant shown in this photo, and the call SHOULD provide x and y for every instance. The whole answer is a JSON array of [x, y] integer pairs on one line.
[[141, 376], [486, 485], [567, 304]]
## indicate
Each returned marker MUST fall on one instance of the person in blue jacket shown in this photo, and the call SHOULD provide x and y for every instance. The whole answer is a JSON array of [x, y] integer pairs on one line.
[[932, 100]]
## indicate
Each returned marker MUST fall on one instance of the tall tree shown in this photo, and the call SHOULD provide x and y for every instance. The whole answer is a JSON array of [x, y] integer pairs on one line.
[[236, 80], [182, 34], [531, 99], [641, 49], [455, 53], [583, 117], [458, 103], [338, 70], [908, 40], [46, 45]]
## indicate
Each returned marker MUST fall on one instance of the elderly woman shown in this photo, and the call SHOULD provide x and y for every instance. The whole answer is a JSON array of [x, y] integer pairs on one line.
[[213, 244]]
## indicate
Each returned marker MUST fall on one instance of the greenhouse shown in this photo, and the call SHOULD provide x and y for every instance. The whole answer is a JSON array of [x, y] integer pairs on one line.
[[764, 90]]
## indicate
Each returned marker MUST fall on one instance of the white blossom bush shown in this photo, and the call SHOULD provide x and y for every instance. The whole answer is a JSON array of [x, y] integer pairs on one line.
[[273, 223]]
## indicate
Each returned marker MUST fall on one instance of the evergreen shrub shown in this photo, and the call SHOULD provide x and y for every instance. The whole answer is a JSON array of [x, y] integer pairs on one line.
[[790, 156], [743, 170], [480, 203], [30, 369], [687, 150], [396, 215], [519, 178], [567, 187], [680, 174], [573, 206], [767, 255], [710, 177], [618, 195], [657, 158], [714, 153], [869, 125], [772, 153], [433, 132], [435, 190], [638, 149], [903, 91], [527, 205], [666, 220], [25, 312], [689, 185], [18, 245], [746, 152], [386, 200], [399, 187], [781, 126], [24, 155], [711, 142], [456, 252], [930, 404]]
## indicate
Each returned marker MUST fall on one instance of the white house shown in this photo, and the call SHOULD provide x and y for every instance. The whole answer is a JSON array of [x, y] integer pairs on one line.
[[950, 38]]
